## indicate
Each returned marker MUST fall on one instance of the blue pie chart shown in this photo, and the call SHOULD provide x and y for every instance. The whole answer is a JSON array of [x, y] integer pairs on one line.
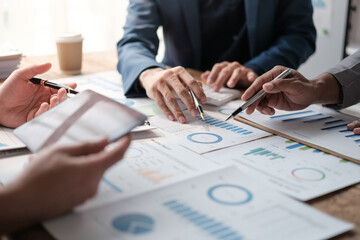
[[134, 224], [230, 194], [204, 138]]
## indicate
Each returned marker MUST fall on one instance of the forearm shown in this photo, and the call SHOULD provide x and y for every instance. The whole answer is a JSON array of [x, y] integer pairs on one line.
[[327, 89], [19, 206], [13, 213]]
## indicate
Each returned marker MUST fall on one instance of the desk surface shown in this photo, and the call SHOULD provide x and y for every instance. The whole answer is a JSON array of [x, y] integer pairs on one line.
[[343, 204]]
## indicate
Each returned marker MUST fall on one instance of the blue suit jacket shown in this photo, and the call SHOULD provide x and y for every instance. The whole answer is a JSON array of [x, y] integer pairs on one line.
[[280, 32]]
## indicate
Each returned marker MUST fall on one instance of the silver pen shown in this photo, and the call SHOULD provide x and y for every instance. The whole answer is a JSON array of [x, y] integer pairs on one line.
[[258, 95], [197, 104]]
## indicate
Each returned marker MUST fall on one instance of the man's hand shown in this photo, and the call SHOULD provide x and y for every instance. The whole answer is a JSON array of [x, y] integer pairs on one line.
[[354, 126], [293, 93], [229, 74], [161, 84], [57, 179]]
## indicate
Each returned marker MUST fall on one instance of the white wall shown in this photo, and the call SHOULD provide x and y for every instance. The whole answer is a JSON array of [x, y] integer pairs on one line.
[[329, 47], [354, 34]]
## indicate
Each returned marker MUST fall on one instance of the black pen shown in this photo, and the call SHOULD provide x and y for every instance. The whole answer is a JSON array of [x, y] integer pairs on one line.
[[258, 95], [53, 85]]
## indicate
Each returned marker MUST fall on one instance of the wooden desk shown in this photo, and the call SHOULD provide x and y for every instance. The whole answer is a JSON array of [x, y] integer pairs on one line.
[[343, 204]]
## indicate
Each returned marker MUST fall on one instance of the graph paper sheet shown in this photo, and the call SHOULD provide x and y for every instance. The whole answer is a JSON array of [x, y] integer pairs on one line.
[[148, 164], [315, 126], [225, 204], [290, 167], [213, 133]]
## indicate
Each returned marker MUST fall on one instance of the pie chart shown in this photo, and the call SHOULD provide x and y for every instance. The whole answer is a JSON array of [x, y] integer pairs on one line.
[[230, 194], [134, 224], [204, 138]]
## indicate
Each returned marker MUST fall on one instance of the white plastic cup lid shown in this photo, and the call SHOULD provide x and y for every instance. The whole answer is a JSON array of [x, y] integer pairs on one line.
[[69, 37]]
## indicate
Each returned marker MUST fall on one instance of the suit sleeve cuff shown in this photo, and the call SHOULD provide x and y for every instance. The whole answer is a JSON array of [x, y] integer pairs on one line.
[[133, 88]]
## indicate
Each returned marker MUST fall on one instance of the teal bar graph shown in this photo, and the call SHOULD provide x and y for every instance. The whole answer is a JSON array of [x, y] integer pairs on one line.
[[263, 152], [224, 125], [214, 228]]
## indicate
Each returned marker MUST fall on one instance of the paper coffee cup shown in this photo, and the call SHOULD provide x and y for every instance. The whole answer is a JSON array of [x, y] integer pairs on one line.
[[69, 48]]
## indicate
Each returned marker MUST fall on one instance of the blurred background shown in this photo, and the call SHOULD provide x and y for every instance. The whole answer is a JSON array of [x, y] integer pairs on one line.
[[31, 26]]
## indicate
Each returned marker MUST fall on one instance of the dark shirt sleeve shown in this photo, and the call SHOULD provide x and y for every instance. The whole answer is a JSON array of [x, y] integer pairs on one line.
[[347, 73], [138, 48]]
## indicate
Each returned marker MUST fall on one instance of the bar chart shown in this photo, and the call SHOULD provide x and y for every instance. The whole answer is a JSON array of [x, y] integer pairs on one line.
[[214, 205], [212, 121], [148, 165], [290, 167], [264, 152], [216, 229], [315, 126]]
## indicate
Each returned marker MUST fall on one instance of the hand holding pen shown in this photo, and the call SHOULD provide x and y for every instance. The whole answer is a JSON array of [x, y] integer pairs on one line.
[[260, 94], [52, 85], [294, 93], [197, 104]]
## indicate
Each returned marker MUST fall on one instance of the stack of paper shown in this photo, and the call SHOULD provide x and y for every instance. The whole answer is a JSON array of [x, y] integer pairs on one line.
[[9, 61]]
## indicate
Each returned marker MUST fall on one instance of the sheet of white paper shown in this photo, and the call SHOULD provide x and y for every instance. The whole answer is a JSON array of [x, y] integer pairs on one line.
[[292, 168], [203, 136], [8, 140], [318, 125], [225, 204], [353, 110], [148, 164]]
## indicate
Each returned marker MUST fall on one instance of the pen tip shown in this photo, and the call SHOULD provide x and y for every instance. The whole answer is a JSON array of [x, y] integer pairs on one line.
[[202, 116], [228, 117]]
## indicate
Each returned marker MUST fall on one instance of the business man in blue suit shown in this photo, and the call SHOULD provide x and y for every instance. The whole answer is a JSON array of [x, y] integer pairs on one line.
[[233, 41]]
